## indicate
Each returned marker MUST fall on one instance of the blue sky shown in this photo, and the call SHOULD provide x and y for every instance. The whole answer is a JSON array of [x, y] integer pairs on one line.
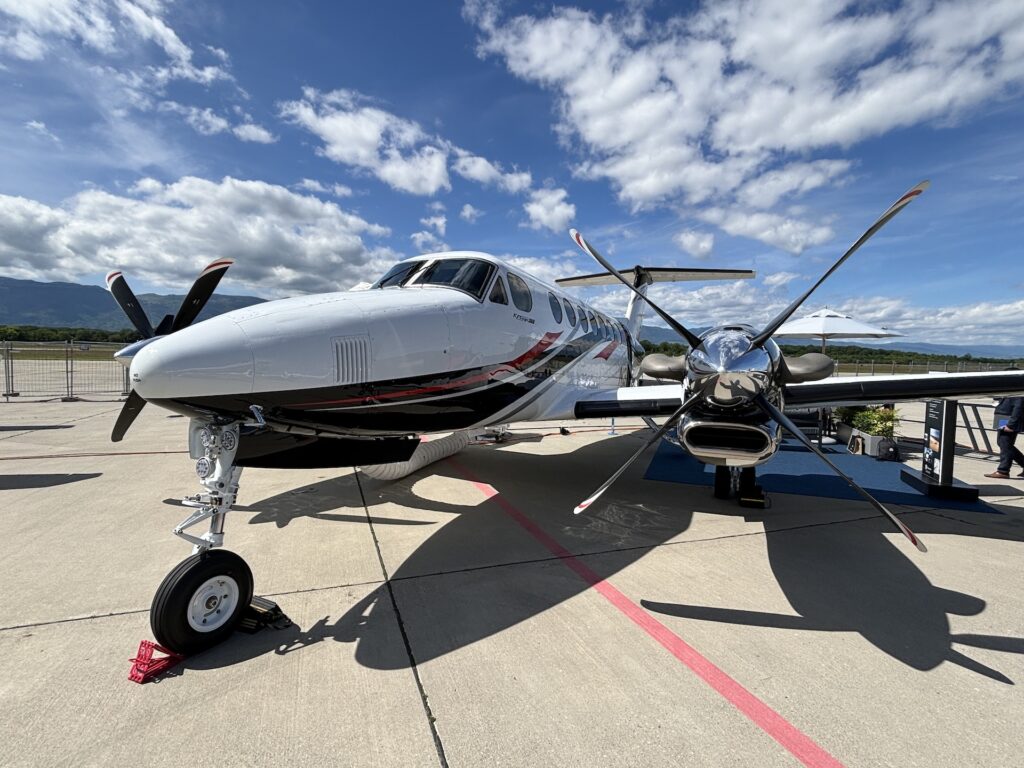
[[317, 143]]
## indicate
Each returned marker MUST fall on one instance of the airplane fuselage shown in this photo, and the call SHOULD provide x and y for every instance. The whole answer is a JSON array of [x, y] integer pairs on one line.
[[492, 346]]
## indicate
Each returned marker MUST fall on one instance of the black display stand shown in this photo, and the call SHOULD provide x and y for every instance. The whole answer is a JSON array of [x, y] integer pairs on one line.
[[936, 476]]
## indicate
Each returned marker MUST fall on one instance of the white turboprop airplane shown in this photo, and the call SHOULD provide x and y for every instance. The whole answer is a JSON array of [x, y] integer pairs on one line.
[[458, 342]]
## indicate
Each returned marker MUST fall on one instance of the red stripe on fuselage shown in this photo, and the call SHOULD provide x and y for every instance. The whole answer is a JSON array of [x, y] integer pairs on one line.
[[605, 353], [531, 354]]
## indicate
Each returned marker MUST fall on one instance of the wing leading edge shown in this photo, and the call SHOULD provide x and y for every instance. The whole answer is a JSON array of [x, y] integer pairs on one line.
[[866, 390]]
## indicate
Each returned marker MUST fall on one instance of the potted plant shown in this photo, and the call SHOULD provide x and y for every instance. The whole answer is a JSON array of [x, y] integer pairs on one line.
[[873, 425]]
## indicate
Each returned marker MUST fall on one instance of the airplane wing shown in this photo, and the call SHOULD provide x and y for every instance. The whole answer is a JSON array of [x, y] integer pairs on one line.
[[657, 400], [866, 390]]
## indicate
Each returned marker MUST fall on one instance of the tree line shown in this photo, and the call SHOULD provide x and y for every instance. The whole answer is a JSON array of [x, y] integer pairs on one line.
[[38, 333]]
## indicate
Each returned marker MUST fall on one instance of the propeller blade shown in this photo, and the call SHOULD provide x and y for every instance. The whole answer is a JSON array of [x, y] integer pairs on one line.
[[200, 293], [691, 338], [783, 316], [765, 405], [129, 412], [164, 326], [129, 304], [687, 405]]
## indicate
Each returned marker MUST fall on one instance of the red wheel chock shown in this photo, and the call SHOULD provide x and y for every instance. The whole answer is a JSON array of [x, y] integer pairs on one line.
[[145, 667]]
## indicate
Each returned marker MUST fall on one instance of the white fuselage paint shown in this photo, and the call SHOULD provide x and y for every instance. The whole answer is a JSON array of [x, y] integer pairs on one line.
[[383, 335]]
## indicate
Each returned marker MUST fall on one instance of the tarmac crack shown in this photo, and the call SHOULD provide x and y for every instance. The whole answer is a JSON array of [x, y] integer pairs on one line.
[[424, 699]]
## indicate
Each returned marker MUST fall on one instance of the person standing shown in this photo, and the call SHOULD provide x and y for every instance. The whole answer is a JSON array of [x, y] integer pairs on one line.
[[1013, 409]]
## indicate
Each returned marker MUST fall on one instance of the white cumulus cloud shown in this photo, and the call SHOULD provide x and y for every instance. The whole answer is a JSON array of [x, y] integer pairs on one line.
[[548, 208], [695, 243], [744, 103], [283, 242], [470, 213]]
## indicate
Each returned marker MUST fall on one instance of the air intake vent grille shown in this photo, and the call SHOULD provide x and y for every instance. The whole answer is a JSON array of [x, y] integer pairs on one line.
[[351, 359]]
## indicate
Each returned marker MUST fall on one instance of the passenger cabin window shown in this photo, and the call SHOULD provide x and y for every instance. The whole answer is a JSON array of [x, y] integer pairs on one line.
[[398, 274], [570, 313], [593, 321], [521, 295], [469, 275], [556, 307], [583, 320], [498, 293]]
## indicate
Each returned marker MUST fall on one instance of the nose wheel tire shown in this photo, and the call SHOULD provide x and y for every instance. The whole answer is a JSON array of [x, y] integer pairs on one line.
[[200, 602]]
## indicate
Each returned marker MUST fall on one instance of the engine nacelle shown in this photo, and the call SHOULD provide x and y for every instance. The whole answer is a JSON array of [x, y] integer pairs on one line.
[[730, 443]]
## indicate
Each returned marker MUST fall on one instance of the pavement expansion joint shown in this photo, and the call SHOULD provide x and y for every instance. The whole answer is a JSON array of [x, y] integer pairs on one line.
[[424, 699], [74, 619]]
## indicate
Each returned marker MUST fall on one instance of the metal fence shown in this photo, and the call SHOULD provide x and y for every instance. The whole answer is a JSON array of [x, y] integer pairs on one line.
[[871, 368], [66, 370]]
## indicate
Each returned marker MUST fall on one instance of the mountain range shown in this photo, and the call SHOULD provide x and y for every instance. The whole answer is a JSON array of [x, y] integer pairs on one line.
[[71, 305]]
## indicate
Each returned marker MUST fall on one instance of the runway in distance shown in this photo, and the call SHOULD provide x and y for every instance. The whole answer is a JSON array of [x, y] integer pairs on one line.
[[459, 342]]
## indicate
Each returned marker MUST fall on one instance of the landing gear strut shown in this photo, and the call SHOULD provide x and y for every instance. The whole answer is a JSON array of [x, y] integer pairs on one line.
[[742, 483], [200, 602]]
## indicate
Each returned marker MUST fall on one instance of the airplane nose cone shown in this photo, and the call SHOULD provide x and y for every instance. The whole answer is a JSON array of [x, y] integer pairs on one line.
[[211, 358]]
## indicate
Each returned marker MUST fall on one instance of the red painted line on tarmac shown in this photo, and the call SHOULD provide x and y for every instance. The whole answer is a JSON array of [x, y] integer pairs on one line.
[[797, 743]]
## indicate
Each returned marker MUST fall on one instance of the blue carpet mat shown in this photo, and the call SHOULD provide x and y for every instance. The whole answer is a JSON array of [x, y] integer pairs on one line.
[[794, 469]]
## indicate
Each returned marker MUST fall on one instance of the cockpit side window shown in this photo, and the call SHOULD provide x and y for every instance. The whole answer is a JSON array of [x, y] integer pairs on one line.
[[521, 295], [398, 274], [498, 293], [469, 275]]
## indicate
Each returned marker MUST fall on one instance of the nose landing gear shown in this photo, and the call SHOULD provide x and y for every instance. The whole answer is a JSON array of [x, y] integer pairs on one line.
[[200, 602]]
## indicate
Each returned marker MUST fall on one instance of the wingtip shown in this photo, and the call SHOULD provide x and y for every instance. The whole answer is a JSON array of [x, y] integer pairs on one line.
[[218, 264]]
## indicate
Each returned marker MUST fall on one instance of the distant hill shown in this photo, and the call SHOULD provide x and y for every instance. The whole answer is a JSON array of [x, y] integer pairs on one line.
[[28, 302], [1001, 351]]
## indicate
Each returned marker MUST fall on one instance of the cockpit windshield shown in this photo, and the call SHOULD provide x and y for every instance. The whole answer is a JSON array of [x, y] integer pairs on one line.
[[398, 274], [469, 275]]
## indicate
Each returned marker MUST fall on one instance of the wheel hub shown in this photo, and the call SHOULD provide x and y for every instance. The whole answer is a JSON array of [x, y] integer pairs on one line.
[[213, 603]]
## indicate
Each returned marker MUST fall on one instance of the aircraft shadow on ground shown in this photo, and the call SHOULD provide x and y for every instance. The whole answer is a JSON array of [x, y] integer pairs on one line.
[[23, 482], [854, 579], [842, 578]]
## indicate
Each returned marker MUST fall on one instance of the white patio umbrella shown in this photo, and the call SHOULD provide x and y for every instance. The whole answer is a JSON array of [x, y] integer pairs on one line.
[[828, 324]]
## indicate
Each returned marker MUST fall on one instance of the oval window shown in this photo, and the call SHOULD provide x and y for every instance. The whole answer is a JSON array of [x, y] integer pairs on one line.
[[583, 321], [593, 321], [570, 313], [520, 291], [556, 307]]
